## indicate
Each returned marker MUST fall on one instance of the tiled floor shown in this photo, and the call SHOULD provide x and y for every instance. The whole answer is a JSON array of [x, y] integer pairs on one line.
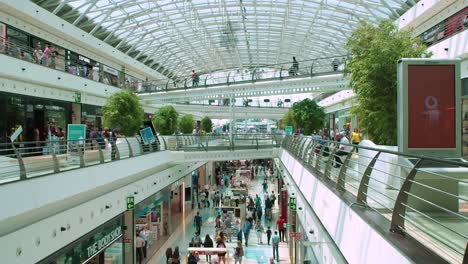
[[254, 253]]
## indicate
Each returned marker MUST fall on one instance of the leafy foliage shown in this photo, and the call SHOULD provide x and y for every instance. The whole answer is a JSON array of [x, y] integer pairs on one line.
[[373, 75], [123, 110], [288, 120], [186, 124], [308, 116], [165, 120], [206, 124]]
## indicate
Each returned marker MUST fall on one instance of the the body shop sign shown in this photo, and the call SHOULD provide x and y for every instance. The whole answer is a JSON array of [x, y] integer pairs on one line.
[[104, 241]]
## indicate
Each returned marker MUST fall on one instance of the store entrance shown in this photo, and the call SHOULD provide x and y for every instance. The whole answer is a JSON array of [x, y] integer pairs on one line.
[[39, 123]]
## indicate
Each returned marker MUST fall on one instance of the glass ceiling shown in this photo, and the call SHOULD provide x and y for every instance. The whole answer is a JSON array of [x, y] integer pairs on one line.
[[174, 37]]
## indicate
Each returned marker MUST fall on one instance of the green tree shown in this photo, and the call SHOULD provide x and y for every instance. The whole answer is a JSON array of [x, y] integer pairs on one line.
[[308, 116], [186, 124], [165, 120], [207, 124], [288, 120], [123, 110], [373, 75]]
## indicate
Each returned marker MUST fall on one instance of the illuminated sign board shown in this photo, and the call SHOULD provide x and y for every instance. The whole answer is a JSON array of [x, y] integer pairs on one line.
[[429, 120]]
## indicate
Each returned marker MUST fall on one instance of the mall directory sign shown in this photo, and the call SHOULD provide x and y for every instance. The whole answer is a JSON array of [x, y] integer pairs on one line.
[[428, 105]]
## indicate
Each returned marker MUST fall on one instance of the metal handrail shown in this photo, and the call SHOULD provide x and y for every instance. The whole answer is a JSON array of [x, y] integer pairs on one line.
[[26, 53], [417, 198], [208, 142], [323, 65], [29, 159]]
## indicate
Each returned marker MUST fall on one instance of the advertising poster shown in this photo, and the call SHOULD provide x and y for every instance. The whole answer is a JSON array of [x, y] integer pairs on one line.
[[76, 136], [147, 136], [431, 113]]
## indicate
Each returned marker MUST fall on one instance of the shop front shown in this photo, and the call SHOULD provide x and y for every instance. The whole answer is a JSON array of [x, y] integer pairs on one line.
[[82, 66], [150, 221], [34, 115], [103, 245], [91, 115], [110, 76]]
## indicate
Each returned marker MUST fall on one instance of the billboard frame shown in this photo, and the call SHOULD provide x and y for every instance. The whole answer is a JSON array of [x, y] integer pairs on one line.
[[402, 109]]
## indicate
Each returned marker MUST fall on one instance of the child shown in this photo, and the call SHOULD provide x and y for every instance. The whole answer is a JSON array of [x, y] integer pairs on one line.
[[268, 232]]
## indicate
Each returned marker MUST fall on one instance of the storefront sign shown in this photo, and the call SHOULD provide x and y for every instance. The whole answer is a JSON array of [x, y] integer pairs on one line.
[[83, 58], [15, 135], [102, 243], [295, 235], [288, 130], [130, 202], [77, 97], [292, 203], [110, 70], [76, 132], [147, 136]]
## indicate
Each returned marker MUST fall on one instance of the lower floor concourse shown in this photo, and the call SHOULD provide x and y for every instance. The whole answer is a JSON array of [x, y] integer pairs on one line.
[[253, 253]]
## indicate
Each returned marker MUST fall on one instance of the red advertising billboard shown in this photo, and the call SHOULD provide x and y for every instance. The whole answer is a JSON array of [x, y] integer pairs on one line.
[[431, 106]]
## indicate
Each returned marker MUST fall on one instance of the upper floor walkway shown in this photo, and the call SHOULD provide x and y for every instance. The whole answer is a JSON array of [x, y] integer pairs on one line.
[[413, 206], [224, 111]]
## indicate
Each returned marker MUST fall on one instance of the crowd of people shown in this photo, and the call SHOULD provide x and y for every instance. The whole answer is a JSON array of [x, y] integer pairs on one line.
[[230, 228], [345, 139]]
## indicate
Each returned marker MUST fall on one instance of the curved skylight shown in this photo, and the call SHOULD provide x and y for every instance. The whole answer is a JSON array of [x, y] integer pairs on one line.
[[175, 37]]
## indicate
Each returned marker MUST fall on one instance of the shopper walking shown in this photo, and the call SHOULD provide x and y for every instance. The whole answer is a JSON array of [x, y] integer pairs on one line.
[[198, 222], [356, 138], [176, 256], [169, 255], [228, 225], [238, 253], [220, 244], [208, 243], [268, 232], [275, 243], [195, 79], [280, 225], [259, 229], [272, 198], [246, 231], [140, 243]]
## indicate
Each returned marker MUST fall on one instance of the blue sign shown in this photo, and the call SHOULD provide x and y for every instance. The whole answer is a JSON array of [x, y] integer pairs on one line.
[[147, 136]]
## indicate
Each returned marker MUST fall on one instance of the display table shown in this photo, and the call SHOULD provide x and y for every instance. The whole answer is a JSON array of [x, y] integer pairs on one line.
[[208, 251]]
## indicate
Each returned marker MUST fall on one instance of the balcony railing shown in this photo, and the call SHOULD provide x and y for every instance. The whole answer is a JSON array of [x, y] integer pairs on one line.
[[215, 142], [267, 72], [24, 160], [99, 73], [423, 197]]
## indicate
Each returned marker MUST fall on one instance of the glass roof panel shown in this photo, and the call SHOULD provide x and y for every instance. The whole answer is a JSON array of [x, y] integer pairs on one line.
[[209, 35]]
